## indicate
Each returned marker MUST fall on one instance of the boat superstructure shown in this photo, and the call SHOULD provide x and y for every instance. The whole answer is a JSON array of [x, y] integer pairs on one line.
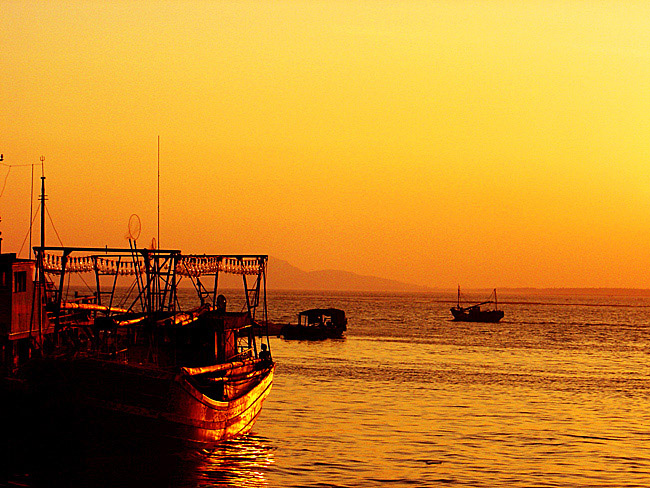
[[111, 331]]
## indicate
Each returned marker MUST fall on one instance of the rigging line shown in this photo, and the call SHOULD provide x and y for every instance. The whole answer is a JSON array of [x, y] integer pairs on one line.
[[17, 165], [85, 283], [28, 232], [127, 296], [4, 185], [52, 222]]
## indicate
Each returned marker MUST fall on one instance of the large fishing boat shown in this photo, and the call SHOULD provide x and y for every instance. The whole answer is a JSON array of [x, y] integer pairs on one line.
[[474, 313], [129, 353]]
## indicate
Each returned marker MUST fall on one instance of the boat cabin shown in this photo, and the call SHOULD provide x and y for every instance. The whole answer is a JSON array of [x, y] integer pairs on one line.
[[317, 324], [217, 337], [322, 316], [20, 321]]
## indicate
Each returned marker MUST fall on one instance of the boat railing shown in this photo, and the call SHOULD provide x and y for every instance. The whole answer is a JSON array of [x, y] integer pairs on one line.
[[119, 355], [244, 353]]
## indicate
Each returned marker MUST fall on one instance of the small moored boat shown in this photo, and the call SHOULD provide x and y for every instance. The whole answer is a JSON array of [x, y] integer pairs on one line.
[[474, 313], [317, 324]]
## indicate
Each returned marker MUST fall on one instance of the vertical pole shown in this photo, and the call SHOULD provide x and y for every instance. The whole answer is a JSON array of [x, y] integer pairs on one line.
[[59, 295], [159, 247], [216, 284], [174, 291], [248, 301], [31, 212], [157, 255], [42, 208], [266, 313], [40, 264], [41, 255], [97, 281]]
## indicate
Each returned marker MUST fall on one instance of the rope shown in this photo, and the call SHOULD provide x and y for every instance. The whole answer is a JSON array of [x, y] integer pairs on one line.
[[52, 222], [4, 185], [90, 288], [18, 165], [27, 235]]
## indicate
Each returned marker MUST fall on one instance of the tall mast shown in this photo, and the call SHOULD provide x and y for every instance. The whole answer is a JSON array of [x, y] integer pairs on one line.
[[42, 204], [42, 199]]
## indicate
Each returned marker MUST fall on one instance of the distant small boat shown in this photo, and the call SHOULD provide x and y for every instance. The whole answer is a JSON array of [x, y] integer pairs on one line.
[[317, 324], [474, 313]]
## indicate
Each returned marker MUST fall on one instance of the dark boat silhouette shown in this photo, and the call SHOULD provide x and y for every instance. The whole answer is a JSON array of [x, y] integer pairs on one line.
[[317, 324], [474, 313]]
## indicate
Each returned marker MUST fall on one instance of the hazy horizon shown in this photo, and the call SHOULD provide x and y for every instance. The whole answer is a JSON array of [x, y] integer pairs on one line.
[[492, 144]]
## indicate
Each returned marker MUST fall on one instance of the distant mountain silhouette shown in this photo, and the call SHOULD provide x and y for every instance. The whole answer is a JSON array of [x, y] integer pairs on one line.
[[283, 276]]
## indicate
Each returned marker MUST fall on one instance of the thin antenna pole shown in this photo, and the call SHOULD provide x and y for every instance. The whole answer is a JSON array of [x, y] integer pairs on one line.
[[159, 192], [30, 217], [31, 212]]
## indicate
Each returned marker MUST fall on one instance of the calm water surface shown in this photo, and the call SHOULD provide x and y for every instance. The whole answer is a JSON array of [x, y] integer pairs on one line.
[[557, 394]]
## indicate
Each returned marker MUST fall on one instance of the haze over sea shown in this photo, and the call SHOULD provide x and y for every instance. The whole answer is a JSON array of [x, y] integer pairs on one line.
[[555, 395]]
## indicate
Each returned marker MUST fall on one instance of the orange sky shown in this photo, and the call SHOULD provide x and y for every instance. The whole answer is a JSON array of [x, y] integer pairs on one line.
[[499, 143]]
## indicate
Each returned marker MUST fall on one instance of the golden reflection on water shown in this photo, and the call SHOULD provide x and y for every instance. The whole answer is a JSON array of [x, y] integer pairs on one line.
[[242, 462], [556, 395], [75, 461]]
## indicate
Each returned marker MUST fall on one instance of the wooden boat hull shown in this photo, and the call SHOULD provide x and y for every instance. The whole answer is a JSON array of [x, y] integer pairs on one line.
[[137, 400], [311, 333], [490, 316]]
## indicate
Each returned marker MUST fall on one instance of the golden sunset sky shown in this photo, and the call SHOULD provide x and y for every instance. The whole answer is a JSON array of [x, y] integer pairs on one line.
[[483, 143]]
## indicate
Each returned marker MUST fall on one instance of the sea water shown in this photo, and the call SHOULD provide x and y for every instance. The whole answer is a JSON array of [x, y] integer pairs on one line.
[[557, 394]]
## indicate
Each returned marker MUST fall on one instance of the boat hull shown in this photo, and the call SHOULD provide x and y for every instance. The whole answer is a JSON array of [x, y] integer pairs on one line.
[[311, 333], [490, 316], [120, 398]]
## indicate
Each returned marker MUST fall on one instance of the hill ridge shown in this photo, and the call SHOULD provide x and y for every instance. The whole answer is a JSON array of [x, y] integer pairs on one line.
[[283, 275]]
